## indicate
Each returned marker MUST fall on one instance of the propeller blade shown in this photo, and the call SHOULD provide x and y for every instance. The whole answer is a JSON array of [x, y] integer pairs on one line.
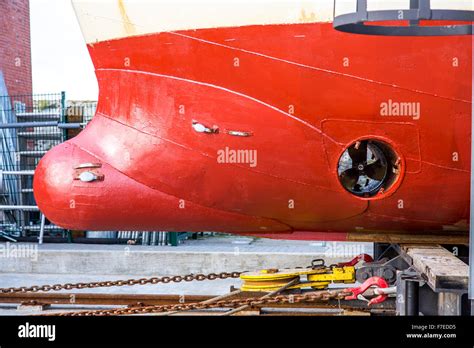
[[376, 171], [359, 155], [349, 178]]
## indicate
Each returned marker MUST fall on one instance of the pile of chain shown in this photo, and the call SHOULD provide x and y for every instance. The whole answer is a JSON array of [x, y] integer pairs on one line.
[[234, 303], [316, 296]]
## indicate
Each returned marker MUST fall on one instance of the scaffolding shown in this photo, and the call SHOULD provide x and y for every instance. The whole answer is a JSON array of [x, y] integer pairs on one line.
[[30, 126]]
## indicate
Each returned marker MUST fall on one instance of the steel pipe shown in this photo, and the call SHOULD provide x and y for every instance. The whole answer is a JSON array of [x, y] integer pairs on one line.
[[19, 207], [412, 302], [42, 124], [17, 172], [41, 235]]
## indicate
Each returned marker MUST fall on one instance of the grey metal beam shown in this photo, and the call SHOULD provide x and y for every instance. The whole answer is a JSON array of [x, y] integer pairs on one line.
[[42, 124], [41, 235], [19, 207], [17, 172]]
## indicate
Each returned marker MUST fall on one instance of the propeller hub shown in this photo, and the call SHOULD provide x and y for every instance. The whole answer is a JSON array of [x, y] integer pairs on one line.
[[365, 168]]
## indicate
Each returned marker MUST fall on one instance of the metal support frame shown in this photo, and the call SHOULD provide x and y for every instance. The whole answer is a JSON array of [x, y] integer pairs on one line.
[[175, 237], [411, 293], [419, 10], [21, 207], [428, 286], [16, 173], [41, 234], [412, 298], [63, 114], [42, 124], [35, 124]]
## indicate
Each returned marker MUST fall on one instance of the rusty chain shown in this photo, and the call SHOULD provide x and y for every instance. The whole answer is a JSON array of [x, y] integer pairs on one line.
[[324, 295], [128, 282]]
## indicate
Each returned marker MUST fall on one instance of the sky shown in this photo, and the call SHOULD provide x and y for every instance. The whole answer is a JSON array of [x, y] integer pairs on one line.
[[60, 58]]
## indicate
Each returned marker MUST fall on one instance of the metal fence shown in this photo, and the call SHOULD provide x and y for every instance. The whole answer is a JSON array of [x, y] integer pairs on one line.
[[30, 125]]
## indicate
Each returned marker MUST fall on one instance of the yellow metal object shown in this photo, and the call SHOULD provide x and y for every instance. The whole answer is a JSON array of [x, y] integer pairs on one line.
[[338, 275], [318, 278]]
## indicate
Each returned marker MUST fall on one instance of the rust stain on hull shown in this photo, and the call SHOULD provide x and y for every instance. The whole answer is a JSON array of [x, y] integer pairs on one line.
[[307, 17], [127, 24]]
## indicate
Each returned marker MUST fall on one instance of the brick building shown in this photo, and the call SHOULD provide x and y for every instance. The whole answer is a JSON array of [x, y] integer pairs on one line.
[[15, 46]]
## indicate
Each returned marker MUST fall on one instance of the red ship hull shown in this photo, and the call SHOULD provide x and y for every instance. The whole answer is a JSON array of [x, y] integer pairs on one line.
[[301, 94]]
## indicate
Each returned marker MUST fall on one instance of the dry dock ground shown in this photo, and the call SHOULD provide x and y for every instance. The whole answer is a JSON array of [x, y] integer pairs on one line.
[[32, 264]]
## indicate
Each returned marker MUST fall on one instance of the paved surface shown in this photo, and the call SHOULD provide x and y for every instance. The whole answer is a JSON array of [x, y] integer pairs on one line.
[[211, 244], [205, 255], [30, 264]]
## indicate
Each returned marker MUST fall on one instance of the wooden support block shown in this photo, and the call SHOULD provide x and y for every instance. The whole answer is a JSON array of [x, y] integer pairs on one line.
[[400, 238], [443, 271]]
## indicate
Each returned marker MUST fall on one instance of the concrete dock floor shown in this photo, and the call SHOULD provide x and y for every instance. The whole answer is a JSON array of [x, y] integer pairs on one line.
[[32, 264], [205, 255]]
